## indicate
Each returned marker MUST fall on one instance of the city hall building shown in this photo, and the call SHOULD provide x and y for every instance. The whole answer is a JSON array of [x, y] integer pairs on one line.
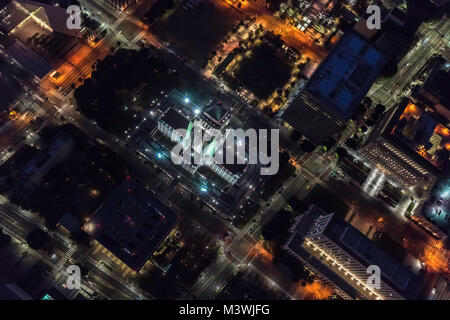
[[177, 112]]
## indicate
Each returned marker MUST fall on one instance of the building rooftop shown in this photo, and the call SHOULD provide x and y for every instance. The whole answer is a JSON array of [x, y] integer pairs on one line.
[[418, 132], [304, 115], [175, 119], [131, 224], [180, 102], [11, 16], [51, 17], [29, 59], [344, 78], [335, 90], [11, 291], [367, 252], [216, 114], [436, 90]]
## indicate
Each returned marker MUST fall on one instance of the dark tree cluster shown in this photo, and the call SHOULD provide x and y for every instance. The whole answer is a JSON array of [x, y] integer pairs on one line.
[[275, 182], [376, 115], [390, 68], [186, 266], [351, 143], [78, 184], [278, 227], [276, 231], [248, 212], [5, 239], [329, 143], [341, 152], [99, 98], [298, 270], [37, 239], [295, 136], [263, 72], [158, 9], [307, 146]]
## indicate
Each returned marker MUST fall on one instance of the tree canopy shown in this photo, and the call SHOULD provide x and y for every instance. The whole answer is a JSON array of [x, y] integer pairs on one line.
[[102, 97], [37, 239], [307, 146]]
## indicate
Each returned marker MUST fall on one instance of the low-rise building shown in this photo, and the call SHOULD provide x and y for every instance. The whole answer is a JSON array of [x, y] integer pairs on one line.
[[131, 224]]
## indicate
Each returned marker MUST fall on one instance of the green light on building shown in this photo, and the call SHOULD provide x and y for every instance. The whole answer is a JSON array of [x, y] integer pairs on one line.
[[47, 297]]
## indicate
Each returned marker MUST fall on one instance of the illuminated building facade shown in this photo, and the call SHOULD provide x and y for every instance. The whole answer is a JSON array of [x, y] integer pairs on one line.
[[340, 255], [179, 113], [411, 144]]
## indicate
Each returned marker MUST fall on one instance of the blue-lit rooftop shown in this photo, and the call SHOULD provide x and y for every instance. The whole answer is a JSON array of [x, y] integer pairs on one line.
[[344, 78]]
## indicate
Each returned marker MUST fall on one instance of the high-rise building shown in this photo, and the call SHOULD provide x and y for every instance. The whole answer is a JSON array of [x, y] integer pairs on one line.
[[335, 90], [341, 256], [411, 144]]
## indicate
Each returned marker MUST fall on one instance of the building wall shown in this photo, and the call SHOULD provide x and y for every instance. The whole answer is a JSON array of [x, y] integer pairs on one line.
[[319, 275], [395, 163], [354, 267], [319, 252]]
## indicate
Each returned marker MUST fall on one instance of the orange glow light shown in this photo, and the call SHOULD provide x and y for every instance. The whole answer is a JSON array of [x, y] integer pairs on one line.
[[411, 110]]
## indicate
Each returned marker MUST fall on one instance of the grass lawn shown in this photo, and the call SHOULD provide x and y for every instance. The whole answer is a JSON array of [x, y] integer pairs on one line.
[[198, 31], [263, 72]]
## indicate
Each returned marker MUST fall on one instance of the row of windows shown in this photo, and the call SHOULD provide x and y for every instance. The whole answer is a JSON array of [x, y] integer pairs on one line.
[[406, 159]]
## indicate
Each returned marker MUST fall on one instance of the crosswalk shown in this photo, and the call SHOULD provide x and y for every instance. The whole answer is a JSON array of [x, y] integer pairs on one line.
[[65, 257]]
